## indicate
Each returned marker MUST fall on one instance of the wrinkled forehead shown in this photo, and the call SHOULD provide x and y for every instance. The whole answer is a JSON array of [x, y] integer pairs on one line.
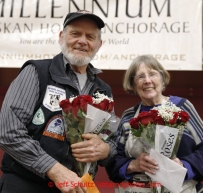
[[149, 65], [85, 20], [85, 26]]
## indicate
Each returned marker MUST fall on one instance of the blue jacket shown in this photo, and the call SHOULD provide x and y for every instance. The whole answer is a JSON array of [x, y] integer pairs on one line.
[[190, 149]]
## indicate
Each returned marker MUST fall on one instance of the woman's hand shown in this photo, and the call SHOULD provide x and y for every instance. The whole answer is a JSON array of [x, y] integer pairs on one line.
[[178, 161], [144, 163]]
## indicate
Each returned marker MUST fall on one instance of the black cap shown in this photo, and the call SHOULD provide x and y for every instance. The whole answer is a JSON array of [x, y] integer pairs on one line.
[[83, 13]]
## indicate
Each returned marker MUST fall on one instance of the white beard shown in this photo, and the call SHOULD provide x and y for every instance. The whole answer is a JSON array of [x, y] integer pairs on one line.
[[75, 60]]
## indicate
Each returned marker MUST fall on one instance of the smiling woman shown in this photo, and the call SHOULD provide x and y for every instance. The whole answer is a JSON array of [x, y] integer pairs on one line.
[[148, 85], [146, 72], [147, 78]]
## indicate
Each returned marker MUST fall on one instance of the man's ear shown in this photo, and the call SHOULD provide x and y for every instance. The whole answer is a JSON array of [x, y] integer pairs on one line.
[[60, 37], [101, 42], [99, 46]]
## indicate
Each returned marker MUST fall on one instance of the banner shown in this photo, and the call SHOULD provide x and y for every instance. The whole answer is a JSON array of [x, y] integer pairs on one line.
[[170, 30]]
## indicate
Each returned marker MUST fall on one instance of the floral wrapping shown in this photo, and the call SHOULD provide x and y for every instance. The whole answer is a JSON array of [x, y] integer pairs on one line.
[[161, 128], [75, 113]]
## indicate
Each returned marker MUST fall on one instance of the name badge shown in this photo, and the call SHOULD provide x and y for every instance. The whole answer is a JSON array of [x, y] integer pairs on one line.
[[52, 98]]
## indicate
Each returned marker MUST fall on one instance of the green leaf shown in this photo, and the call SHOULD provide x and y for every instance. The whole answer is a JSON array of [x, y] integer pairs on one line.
[[81, 126], [136, 132], [73, 136], [81, 114]]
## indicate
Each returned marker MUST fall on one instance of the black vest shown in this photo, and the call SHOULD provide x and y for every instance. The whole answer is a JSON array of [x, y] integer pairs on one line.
[[52, 73]]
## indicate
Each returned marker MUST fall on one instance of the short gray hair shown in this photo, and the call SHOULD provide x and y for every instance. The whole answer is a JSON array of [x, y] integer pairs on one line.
[[151, 62]]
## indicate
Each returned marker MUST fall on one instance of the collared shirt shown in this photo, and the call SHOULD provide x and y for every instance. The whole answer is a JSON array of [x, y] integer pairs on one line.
[[17, 111], [90, 77]]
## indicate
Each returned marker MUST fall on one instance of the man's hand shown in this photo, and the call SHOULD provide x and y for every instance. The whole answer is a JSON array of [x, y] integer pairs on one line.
[[91, 149], [65, 180]]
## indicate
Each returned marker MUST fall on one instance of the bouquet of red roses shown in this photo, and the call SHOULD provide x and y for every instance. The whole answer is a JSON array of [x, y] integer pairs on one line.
[[161, 128], [84, 114], [161, 125]]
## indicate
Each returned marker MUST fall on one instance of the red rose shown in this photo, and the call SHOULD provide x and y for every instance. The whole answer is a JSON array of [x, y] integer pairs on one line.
[[134, 123], [103, 105], [175, 119], [157, 118], [75, 106], [145, 118], [66, 106], [84, 100], [154, 113], [184, 116], [80, 102], [111, 105]]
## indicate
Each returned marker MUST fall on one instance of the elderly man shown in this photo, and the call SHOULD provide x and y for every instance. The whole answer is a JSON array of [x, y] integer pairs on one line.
[[36, 156]]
